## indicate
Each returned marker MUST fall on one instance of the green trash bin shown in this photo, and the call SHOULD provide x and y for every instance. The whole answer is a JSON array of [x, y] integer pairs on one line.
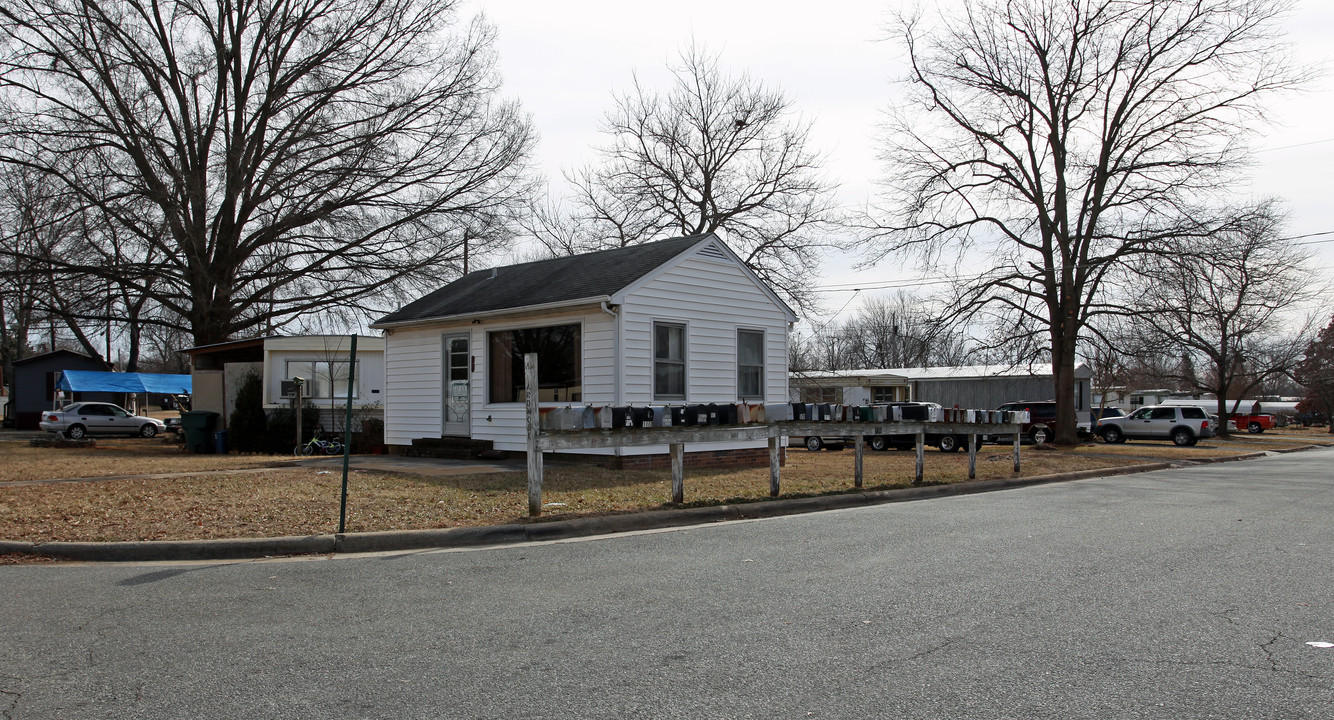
[[198, 427]]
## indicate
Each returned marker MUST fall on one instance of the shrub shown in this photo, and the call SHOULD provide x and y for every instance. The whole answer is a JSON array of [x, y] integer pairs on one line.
[[247, 428]]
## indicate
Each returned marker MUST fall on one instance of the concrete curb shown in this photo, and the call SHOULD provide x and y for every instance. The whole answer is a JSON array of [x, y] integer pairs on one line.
[[350, 543]]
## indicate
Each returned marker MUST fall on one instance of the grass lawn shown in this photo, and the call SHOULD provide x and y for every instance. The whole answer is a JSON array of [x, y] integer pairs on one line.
[[221, 502]]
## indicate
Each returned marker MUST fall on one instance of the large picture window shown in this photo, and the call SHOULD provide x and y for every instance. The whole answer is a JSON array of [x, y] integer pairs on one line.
[[325, 379], [669, 361], [559, 363], [750, 363]]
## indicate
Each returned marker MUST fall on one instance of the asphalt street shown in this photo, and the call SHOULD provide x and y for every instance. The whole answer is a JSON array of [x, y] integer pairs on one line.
[[1191, 593]]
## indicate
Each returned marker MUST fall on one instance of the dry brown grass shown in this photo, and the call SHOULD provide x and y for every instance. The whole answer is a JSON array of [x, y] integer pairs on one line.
[[115, 456], [304, 500]]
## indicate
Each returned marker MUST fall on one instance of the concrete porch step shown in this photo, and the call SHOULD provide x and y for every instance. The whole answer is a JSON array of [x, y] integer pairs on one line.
[[448, 448]]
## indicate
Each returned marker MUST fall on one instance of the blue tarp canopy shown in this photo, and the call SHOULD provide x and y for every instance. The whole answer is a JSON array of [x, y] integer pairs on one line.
[[116, 382]]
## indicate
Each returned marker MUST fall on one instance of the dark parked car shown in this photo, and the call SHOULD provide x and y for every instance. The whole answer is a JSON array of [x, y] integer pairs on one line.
[[95, 418], [1041, 425]]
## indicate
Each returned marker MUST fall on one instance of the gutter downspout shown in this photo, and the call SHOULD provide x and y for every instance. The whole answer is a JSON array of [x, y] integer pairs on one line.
[[615, 360], [615, 351]]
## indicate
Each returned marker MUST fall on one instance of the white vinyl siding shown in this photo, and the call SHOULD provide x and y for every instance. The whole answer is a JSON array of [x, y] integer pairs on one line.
[[716, 298], [413, 393]]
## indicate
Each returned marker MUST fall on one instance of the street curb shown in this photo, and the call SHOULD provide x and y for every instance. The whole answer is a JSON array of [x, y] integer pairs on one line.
[[444, 538], [139, 551]]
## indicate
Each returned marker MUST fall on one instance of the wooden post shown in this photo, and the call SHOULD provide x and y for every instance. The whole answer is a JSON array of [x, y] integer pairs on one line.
[[1016, 451], [534, 428], [860, 444], [972, 456], [921, 458], [678, 472], [773, 464]]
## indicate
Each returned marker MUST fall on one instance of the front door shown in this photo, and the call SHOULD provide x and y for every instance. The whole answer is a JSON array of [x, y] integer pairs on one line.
[[457, 398]]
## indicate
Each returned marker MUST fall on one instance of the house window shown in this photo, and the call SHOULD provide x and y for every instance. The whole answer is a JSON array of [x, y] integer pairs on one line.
[[325, 379], [750, 363], [559, 363], [669, 361], [888, 394], [833, 395]]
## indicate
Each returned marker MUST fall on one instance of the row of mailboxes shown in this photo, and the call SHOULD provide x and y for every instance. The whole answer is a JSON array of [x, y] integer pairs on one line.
[[589, 417]]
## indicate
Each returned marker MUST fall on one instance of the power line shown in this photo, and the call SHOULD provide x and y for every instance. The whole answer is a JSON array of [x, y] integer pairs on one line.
[[856, 287], [1296, 145]]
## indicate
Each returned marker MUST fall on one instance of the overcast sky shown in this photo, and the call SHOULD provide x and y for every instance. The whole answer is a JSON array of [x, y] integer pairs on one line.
[[564, 59]]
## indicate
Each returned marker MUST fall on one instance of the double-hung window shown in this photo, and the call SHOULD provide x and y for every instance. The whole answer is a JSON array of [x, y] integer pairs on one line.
[[669, 361], [750, 364], [325, 379]]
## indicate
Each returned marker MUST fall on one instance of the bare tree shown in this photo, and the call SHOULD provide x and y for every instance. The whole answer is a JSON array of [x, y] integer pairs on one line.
[[899, 331], [41, 227], [713, 152], [1230, 307], [263, 160], [1316, 373], [1065, 136]]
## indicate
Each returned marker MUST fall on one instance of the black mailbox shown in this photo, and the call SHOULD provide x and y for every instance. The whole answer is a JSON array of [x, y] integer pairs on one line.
[[621, 417], [727, 414], [799, 412], [678, 413], [643, 417], [914, 413], [821, 412], [696, 415]]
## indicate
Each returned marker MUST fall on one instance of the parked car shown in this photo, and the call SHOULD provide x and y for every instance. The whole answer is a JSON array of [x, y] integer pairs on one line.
[[95, 418], [815, 444], [1041, 425], [946, 443], [1252, 422], [1183, 425], [1085, 427]]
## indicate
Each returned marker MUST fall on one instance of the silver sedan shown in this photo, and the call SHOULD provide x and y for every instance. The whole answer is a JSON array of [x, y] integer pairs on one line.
[[77, 420]]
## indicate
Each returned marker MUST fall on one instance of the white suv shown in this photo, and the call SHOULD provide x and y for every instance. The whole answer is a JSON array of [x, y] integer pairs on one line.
[[1184, 425]]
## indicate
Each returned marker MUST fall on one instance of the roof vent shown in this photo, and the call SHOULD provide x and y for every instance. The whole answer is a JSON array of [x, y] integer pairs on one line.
[[713, 251]]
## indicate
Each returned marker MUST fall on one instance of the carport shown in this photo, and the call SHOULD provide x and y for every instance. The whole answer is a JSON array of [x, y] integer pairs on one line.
[[128, 383]]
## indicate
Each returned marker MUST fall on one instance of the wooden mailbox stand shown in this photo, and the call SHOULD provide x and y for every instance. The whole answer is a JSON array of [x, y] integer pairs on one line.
[[676, 438]]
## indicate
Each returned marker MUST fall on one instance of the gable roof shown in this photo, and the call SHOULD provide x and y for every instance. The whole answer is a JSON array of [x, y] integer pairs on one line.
[[592, 276], [68, 354]]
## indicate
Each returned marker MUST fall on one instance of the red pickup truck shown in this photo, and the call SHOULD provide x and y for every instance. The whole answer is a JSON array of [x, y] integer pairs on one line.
[[1253, 423]]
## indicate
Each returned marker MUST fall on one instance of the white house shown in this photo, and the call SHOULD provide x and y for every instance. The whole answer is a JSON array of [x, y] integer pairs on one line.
[[218, 370], [675, 321]]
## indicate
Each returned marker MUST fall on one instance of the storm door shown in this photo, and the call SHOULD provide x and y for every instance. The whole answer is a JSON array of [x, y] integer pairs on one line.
[[457, 392]]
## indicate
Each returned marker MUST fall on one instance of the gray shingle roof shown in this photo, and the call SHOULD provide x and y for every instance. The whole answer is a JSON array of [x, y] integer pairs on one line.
[[573, 277]]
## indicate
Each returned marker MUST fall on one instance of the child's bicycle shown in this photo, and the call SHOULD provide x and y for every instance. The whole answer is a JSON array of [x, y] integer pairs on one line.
[[329, 446]]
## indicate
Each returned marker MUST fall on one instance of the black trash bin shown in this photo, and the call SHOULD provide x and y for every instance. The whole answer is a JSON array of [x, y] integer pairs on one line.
[[198, 426]]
